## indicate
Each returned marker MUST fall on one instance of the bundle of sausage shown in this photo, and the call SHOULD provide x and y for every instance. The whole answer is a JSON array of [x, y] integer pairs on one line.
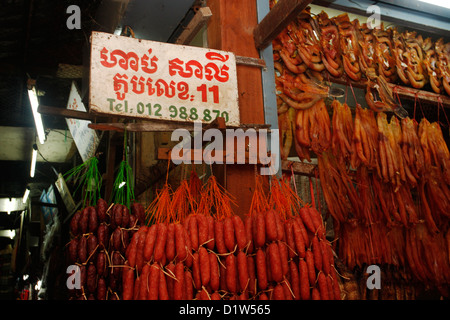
[[259, 257], [100, 236]]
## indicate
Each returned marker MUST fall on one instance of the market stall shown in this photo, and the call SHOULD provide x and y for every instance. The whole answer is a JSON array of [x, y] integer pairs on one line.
[[264, 150], [382, 175]]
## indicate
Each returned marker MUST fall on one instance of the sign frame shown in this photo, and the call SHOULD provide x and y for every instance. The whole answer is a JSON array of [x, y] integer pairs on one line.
[[152, 80]]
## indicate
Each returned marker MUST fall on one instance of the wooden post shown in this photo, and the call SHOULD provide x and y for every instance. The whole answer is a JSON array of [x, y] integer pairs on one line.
[[198, 21], [276, 20], [231, 29]]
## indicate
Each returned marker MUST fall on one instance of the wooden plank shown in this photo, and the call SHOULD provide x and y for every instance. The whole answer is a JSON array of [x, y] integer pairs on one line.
[[248, 61], [154, 126], [304, 169], [151, 126], [67, 113], [147, 126], [199, 20], [218, 123], [276, 20], [162, 126], [119, 127], [165, 154]]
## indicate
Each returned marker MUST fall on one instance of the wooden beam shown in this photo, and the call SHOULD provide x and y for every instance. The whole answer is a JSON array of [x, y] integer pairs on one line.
[[304, 169], [254, 62], [151, 126], [231, 29], [145, 126], [55, 111], [67, 113], [276, 20], [199, 20], [168, 126]]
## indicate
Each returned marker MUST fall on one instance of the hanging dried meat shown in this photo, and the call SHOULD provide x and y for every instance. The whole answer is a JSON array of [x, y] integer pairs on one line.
[[409, 58], [349, 46], [312, 128], [443, 63], [385, 55], [367, 53], [331, 50], [296, 91], [386, 102], [286, 123], [305, 35], [431, 63], [342, 143]]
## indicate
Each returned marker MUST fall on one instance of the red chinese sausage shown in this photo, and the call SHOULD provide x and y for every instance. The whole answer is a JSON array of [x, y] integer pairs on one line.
[[74, 223], [102, 206]]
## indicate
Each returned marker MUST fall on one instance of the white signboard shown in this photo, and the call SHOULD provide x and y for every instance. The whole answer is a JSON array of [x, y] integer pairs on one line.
[[64, 192], [156, 80], [85, 138]]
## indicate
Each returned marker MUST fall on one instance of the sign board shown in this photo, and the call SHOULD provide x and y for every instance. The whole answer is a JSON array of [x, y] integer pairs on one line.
[[85, 138], [155, 80], [65, 193]]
